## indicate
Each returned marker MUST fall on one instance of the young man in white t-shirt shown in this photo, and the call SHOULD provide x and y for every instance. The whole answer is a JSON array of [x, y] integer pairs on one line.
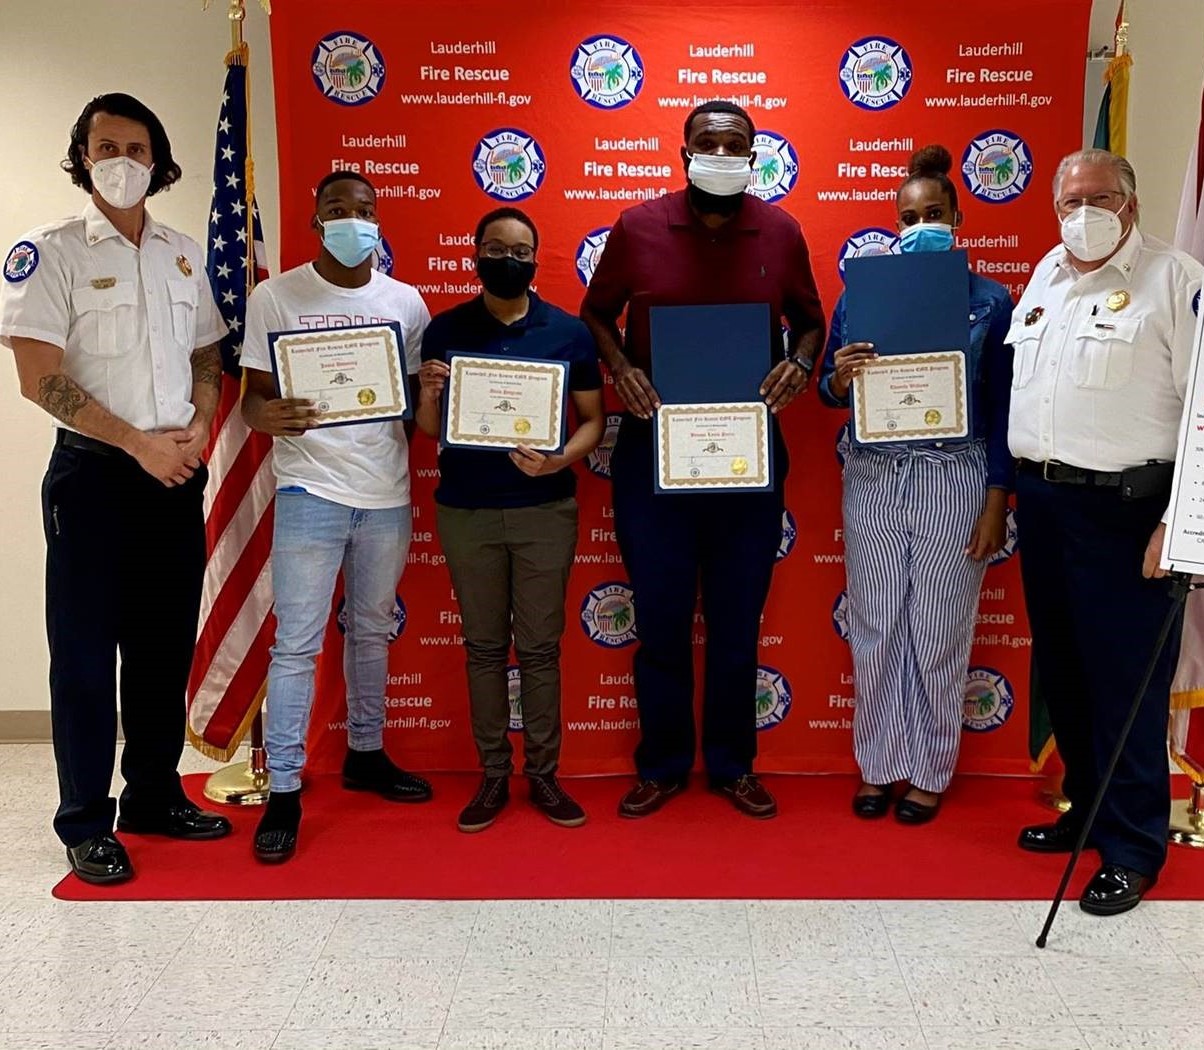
[[342, 502]]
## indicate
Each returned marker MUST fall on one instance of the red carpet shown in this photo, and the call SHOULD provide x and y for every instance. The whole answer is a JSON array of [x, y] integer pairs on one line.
[[358, 846]]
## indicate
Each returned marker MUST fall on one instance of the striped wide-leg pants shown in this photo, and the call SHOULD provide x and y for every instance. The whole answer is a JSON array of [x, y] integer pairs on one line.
[[913, 598]]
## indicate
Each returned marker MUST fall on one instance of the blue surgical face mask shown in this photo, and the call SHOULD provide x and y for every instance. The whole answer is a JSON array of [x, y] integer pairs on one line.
[[927, 237], [350, 241]]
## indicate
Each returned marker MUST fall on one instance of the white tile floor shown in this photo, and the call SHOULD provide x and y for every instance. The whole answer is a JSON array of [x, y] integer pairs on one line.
[[570, 975]]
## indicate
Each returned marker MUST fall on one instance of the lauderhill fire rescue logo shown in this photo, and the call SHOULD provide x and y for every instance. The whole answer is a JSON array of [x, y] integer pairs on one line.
[[607, 72], [997, 166], [508, 164], [875, 73], [347, 68]]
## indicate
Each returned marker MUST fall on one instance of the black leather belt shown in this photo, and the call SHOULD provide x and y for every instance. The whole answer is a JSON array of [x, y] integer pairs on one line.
[[1132, 483], [70, 439]]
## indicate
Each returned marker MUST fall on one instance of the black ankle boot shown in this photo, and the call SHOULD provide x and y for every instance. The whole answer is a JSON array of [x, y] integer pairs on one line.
[[276, 836]]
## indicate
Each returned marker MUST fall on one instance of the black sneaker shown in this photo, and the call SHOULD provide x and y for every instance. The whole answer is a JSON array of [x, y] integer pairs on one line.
[[549, 797], [276, 837], [487, 803]]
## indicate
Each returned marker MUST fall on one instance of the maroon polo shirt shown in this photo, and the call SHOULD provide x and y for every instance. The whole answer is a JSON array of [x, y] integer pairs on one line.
[[660, 254]]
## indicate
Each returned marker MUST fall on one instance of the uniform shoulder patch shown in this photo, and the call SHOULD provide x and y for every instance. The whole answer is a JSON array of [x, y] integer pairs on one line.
[[21, 262]]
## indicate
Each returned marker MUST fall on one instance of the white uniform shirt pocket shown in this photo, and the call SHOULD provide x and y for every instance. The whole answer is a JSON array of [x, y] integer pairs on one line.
[[183, 295], [1026, 345], [106, 316], [1103, 352]]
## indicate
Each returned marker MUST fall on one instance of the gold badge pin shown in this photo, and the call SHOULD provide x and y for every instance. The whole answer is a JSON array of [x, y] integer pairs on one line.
[[522, 426], [366, 397], [739, 466], [1117, 301], [184, 265], [932, 417], [101, 283]]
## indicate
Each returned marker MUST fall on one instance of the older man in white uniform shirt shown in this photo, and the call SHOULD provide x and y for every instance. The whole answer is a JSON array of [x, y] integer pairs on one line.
[[1102, 337]]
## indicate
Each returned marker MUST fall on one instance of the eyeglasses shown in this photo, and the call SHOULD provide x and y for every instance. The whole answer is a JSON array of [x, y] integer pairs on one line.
[[1096, 200], [498, 250]]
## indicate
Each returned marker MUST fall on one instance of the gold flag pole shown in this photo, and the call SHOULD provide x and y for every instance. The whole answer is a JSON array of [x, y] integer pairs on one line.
[[243, 783]]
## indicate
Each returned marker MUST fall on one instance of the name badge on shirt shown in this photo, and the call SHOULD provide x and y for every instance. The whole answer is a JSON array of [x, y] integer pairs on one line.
[[101, 283]]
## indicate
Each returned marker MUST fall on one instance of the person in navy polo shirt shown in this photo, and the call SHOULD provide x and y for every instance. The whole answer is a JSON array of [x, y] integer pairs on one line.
[[508, 520], [710, 243]]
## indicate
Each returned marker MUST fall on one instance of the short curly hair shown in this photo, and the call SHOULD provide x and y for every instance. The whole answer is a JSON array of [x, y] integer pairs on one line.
[[165, 172]]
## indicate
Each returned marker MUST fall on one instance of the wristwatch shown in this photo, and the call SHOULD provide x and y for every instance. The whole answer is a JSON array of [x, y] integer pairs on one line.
[[804, 363]]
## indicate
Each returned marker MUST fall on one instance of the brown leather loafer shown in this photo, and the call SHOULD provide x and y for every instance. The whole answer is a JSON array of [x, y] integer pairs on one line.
[[749, 796], [648, 796]]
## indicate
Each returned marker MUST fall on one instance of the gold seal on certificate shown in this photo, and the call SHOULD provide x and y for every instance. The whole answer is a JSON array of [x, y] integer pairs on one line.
[[911, 397], [713, 447], [352, 375], [503, 402]]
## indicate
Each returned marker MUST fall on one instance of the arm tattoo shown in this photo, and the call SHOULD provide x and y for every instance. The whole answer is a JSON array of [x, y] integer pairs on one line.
[[62, 396], [207, 365]]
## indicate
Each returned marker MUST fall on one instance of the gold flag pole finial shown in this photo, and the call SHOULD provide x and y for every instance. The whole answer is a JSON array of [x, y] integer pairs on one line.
[[1122, 31]]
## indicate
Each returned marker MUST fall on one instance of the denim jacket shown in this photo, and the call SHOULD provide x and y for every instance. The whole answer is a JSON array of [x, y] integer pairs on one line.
[[990, 373]]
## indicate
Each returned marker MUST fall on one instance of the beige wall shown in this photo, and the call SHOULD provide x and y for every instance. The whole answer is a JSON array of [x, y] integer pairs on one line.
[[169, 52]]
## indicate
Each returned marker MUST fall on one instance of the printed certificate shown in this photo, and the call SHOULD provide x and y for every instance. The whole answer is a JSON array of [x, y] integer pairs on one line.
[[353, 375], [503, 402], [713, 447], [912, 397]]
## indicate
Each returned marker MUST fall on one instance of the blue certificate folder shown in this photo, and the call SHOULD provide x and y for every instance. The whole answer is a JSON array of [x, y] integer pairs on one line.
[[909, 304], [706, 355], [399, 342], [709, 354]]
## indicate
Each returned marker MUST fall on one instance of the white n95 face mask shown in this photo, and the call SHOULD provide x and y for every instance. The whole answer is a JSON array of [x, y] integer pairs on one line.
[[1091, 233], [723, 176], [120, 181]]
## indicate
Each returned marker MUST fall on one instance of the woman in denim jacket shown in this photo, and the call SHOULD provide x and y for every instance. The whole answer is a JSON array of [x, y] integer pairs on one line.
[[920, 522]]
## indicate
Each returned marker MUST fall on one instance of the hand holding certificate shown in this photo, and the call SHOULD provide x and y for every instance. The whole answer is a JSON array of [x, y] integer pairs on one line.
[[352, 375], [504, 402], [713, 447]]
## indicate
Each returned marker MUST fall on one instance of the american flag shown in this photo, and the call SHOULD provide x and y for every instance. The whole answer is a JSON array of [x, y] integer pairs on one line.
[[236, 627]]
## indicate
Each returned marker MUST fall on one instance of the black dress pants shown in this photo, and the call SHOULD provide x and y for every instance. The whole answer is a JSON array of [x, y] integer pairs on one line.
[[124, 564]]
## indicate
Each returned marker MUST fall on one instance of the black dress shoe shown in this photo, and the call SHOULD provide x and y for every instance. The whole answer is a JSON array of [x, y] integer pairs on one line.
[[181, 821], [870, 807], [1114, 889], [101, 860], [373, 771], [909, 811], [276, 836], [1048, 838]]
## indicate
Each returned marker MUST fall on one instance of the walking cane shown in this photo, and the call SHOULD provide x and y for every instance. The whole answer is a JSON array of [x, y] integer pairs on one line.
[[1181, 585]]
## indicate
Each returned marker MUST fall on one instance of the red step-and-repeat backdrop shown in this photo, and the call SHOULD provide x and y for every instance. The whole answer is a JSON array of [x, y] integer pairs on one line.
[[573, 111]]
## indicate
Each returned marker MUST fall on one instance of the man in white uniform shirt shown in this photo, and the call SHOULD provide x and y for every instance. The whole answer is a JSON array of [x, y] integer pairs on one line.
[[342, 502], [115, 333], [1103, 337]]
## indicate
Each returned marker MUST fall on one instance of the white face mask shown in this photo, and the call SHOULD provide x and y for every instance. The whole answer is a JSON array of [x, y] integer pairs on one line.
[[120, 181], [1091, 233], [723, 176]]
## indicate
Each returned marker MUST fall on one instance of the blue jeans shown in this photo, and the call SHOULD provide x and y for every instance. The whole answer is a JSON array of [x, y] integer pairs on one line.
[[313, 539]]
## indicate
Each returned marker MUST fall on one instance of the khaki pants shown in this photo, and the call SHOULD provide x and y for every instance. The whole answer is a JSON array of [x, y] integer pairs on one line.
[[510, 568]]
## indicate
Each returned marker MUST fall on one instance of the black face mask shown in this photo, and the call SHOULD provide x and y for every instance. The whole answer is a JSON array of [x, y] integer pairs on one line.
[[714, 204], [507, 278]]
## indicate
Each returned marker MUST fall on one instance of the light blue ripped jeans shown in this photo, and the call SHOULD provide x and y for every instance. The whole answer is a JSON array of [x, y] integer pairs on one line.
[[313, 539]]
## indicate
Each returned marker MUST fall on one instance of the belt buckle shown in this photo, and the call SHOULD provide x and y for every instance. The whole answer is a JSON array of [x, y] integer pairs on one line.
[[1045, 470]]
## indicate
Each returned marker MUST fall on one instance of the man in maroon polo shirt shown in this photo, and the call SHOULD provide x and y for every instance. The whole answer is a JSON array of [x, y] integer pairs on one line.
[[710, 243]]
